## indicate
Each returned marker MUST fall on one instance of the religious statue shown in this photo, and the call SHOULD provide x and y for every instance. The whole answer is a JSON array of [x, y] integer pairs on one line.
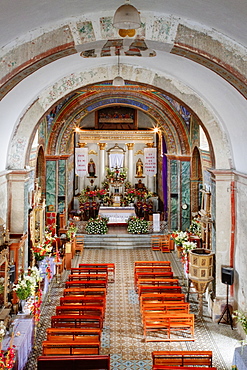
[[91, 168], [139, 168]]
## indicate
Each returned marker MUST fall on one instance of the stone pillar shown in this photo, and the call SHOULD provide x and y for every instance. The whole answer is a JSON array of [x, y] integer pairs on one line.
[[130, 147], [101, 163], [18, 205], [223, 231]]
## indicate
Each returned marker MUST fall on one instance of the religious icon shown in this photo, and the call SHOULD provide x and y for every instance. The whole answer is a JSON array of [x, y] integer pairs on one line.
[[139, 168], [91, 168]]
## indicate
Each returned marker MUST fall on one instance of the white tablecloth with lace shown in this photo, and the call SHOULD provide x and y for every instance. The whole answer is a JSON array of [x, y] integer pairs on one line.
[[23, 342]]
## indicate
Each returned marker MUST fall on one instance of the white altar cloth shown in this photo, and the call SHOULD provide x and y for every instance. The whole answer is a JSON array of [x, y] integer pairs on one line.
[[117, 215]]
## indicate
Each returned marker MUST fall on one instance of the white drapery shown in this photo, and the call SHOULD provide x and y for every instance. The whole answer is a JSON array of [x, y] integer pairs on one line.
[[116, 160]]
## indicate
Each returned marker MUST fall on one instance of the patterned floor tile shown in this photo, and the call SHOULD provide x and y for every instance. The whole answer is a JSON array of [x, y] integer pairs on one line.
[[122, 335]]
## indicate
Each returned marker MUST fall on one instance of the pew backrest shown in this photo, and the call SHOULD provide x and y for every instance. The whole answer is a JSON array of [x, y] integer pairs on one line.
[[90, 362]]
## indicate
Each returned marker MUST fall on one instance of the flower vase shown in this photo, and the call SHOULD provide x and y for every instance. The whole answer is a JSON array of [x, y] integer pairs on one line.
[[22, 305]]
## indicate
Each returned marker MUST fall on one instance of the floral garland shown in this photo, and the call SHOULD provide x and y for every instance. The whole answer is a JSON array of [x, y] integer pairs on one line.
[[36, 308], [195, 227], [7, 359], [137, 225], [97, 225]]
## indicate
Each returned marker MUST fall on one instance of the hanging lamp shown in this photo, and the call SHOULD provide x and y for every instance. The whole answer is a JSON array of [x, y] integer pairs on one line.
[[118, 80], [126, 17]]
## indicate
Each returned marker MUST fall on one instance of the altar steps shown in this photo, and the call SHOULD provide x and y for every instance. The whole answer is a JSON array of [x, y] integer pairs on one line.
[[117, 241]]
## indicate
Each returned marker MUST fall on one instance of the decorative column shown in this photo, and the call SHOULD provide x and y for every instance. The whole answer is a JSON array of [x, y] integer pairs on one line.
[[130, 147], [102, 147]]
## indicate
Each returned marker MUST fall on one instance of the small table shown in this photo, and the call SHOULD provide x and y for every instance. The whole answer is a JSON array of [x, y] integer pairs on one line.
[[23, 343], [240, 358]]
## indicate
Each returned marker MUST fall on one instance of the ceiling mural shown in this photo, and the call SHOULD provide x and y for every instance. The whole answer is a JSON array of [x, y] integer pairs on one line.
[[126, 47]]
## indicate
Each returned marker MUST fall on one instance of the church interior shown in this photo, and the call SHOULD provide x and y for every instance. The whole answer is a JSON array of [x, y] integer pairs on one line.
[[123, 185]]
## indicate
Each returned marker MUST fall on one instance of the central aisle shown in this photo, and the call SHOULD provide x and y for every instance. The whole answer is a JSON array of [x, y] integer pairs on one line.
[[122, 336]]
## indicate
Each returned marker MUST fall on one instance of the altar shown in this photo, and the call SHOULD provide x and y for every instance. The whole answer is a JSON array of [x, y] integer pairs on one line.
[[117, 215]]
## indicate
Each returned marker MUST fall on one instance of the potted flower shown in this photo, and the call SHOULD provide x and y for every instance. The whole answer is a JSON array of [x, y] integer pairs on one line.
[[27, 284], [179, 238], [137, 225], [72, 230]]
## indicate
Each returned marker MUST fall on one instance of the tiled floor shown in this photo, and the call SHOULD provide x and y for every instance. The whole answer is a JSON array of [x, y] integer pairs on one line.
[[122, 334]]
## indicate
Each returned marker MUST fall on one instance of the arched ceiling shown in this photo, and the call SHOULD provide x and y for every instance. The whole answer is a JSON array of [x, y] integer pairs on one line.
[[146, 99], [200, 47]]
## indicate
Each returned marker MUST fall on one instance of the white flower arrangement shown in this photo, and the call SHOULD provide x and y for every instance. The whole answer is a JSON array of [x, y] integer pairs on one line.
[[97, 225], [137, 225], [180, 237], [188, 246], [27, 283]]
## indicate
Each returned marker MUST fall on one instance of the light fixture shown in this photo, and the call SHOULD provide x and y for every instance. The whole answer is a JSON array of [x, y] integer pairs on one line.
[[126, 17], [118, 80]]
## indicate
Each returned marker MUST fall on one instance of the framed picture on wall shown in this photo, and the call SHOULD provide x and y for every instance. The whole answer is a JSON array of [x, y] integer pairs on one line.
[[116, 118]]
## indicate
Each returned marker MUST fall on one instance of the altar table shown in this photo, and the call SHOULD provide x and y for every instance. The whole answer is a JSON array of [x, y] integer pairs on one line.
[[240, 358], [23, 343], [117, 215]]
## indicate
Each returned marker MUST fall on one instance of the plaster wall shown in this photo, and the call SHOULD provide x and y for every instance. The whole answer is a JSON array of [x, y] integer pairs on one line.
[[240, 256], [3, 197]]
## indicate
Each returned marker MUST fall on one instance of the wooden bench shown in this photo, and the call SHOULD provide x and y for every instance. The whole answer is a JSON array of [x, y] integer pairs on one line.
[[153, 275], [110, 267], [80, 310], [183, 323], [87, 277], [86, 284], [161, 298], [159, 289], [53, 348], [165, 308], [75, 299], [59, 334], [89, 270], [143, 269], [85, 292], [182, 358], [76, 321], [156, 282], [152, 263], [90, 362]]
